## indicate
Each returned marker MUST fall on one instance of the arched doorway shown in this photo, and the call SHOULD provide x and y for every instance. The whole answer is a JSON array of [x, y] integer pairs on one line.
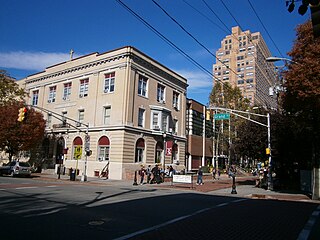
[[139, 154], [159, 152], [59, 150]]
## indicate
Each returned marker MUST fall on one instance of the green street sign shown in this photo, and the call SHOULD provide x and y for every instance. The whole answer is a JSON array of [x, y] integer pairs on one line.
[[222, 116]]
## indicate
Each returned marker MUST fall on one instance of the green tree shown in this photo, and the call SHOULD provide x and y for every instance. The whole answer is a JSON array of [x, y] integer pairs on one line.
[[301, 100], [226, 96]]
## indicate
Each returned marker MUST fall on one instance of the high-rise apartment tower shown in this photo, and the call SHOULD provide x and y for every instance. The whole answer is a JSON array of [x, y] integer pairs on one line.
[[241, 62]]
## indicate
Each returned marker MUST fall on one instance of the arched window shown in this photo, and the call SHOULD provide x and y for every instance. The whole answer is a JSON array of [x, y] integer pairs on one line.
[[77, 148], [139, 150], [159, 150], [175, 156], [104, 149]]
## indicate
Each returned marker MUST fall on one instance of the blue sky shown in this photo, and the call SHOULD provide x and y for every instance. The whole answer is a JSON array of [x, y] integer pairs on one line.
[[36, 33]]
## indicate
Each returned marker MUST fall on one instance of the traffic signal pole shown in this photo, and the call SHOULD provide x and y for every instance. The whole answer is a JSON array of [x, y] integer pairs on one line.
[[268, 126], [87, 137]]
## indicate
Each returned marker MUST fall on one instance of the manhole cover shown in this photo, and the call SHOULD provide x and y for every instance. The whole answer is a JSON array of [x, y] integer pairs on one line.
[[96, 223]]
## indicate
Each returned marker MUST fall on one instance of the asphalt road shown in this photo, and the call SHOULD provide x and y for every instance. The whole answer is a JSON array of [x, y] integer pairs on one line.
[[64, 210]]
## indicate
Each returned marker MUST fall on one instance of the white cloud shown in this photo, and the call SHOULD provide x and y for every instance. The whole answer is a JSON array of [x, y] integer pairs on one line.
[[197, 80], [31, 60]]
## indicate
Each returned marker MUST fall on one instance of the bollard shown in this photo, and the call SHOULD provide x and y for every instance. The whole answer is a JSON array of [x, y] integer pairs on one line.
[[135, 178], [234, 191]]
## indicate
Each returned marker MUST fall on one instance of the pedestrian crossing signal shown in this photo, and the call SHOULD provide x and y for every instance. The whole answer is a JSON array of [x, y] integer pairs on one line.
[[22, 114]]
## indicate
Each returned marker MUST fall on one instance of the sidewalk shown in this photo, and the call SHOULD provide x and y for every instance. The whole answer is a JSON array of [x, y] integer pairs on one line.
[[245, 186]]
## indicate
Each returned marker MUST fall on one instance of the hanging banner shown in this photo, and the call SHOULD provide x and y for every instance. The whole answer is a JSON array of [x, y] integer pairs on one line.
[[169, 148]]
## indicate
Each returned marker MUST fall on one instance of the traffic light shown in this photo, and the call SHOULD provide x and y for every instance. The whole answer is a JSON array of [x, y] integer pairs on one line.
[[22, 114], [268, 151]]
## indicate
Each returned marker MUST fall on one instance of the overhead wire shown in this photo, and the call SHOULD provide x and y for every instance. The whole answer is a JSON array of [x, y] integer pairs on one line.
[[195, 9], [249, 37], [255, 12], [175, 21], [174, 46]]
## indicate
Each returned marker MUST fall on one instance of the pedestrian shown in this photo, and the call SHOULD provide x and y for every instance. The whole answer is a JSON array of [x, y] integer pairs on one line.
[[141, 174], [148, 171], [219, 174], [214, 174], [200, 173], [156, 174]]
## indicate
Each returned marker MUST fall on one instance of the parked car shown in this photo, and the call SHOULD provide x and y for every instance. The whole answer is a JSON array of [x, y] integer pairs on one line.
[[16, 168]]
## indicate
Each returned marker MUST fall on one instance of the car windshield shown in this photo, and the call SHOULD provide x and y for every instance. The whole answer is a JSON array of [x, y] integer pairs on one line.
[[24, 164]]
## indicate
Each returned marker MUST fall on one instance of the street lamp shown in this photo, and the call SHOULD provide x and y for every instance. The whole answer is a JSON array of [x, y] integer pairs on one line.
[[276, 59]]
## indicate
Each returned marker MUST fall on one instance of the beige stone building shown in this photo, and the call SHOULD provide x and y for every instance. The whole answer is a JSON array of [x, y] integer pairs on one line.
[[129, 110], [242, 63]]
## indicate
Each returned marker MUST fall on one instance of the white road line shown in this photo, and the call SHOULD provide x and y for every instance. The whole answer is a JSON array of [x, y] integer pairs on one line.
[[19, 188], [175, 220], [2, 189], [52, 186], [304, 234]]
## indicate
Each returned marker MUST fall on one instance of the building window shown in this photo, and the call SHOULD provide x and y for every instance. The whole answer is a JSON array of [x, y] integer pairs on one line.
[[109, 79], [161, 93], [175, 100], [155, 121], [107, 112], [175, 156], [66, 91], [165, 126], [141, 117], [52, 94], [175, 126], [142, 86], [139, 150], [84, 86], [35, 97], [104, 149], [81, 115], [77, 148]]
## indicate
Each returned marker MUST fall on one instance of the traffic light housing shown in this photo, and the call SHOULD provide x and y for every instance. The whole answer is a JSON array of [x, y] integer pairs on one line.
[[22, 114]]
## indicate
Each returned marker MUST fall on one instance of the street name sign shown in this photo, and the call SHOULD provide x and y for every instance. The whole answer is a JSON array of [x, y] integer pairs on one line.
[[222, 116]]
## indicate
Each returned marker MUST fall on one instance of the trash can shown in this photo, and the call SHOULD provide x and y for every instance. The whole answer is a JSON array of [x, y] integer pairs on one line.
[[72, 175]]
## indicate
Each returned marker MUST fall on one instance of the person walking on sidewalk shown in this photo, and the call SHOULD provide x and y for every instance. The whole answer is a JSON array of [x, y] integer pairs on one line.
[[214, 174], [141, 174], [200, 174], [148, 171]]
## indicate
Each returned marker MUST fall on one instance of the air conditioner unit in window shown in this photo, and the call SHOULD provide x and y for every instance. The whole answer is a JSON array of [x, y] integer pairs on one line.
[[49, 101], [64, 98], [106, 90], [80, 95]]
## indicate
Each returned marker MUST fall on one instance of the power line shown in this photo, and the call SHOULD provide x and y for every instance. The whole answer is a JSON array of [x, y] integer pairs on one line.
[[264, 27], [175, 21], [195, 9], [165, 38]]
